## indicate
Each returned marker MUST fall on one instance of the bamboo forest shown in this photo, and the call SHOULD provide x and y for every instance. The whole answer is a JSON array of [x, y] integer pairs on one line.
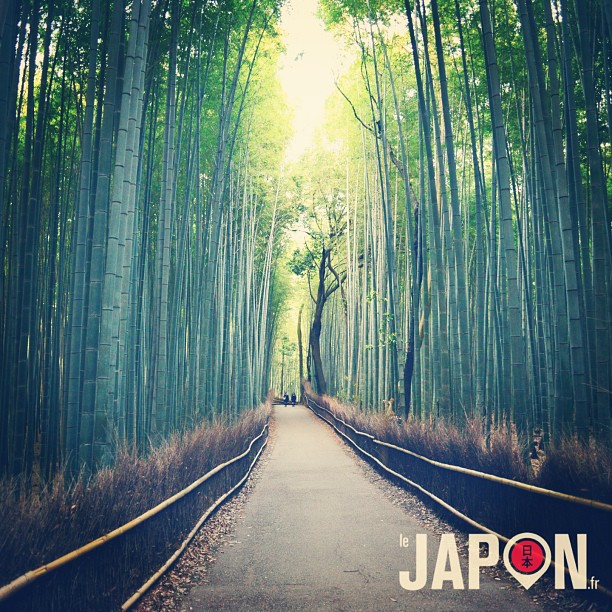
[[440, 251]]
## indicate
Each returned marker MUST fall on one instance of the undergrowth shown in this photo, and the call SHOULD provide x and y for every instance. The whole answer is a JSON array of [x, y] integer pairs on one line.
[[578, 468], [573, 467], [40, 527]]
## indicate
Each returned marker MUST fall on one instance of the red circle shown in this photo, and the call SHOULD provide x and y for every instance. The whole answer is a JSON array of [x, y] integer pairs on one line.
[[527, 556]]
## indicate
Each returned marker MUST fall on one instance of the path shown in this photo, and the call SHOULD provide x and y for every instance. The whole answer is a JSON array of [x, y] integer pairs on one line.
[[318, 535]]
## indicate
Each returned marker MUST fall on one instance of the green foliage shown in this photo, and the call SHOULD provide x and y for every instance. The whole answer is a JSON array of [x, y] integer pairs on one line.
[[302, 262], [336, 11], [172, 199]]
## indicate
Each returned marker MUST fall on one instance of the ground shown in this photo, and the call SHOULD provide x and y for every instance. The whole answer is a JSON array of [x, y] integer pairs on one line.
[[318, 528]]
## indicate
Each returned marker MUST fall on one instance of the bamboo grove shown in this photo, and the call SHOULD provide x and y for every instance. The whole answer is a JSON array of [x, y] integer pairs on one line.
[[455, 211], [140, 220], [459, 262]]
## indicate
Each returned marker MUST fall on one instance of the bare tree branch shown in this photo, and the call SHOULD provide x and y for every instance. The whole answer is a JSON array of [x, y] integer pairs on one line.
[[339, 281], [367, 127]]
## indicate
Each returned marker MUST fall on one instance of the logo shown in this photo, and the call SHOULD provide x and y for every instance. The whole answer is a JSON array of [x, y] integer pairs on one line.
[[526, 556]]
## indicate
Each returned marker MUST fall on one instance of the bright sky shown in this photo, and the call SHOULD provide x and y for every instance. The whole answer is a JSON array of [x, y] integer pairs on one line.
[[314, 58]]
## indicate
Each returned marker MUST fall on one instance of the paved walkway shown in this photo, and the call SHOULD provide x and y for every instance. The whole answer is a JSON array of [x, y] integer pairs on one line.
[[318, 535]]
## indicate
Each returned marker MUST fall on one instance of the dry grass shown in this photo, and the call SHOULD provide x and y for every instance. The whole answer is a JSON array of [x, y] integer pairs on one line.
[[38, 528], [466, 446], [578, 468], [574, 467]]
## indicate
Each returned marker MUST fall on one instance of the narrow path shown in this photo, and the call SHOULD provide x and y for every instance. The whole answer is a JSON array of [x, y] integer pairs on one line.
[[318, 535]]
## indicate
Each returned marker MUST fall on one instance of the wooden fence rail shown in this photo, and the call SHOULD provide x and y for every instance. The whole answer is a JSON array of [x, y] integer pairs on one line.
[[29, 578]]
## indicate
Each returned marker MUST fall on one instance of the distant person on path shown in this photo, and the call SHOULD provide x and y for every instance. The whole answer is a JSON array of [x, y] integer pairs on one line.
[[286, 399], [293, 399]]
